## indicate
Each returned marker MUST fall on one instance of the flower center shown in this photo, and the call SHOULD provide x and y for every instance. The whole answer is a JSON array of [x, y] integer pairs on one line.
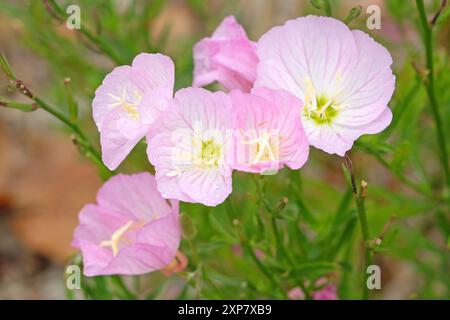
[[324, 112], [266, 146], [128, 103], [210, 153], [117, 238], [319, 108]]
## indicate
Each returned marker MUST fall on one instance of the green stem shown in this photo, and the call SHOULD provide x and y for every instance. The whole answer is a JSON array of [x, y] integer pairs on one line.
[[430, 88], [327, 8], [276, 234], [260, 266], [360, 196], [410, 184], [248, 248], [91, 152], [124, 292], [103, 45], [360, 206], [273, 219]]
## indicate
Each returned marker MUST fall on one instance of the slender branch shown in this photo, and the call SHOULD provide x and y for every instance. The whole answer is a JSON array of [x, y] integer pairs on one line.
[[247, 247], [121, 288], [80, 139], [327, 8], [360, 196], [360, 205], [410, 184], [57, 12], [430, 88]]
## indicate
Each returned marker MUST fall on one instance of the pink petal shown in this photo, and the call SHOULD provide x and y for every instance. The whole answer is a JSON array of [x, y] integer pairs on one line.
[[150, 234], [348, 68], [268, 113], [128, 101], [118, 136], [135, 196], [209, 187], [228, 57], [113, 85], [195, 115], [152, 71]]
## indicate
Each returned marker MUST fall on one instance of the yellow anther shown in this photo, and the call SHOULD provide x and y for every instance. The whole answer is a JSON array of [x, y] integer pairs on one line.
[[262, 144], [116, 237], [130, 108]]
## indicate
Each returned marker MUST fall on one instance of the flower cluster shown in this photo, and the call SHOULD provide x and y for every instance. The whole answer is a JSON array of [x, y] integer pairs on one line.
[[311, 81]]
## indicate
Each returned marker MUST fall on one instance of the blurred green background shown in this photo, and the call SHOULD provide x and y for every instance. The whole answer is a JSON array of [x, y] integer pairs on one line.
[[44, 181]]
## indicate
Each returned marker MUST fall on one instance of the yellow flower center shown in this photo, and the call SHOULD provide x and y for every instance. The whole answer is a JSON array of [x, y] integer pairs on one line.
[[126, 104], [320, 108], [267, 147], [116, 238]]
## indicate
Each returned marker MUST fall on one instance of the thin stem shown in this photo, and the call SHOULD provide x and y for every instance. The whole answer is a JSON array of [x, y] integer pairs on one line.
[[410, 184], [248, 248], [273, 222], [360, 196], [260, 266], [276, 234], [103, 45], [360, 206], [83, 141], [327, 8], [430, 88], [122, 289]]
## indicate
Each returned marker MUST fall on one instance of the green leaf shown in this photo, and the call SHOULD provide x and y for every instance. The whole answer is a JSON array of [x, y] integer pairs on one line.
[[314, 269], [353, 14], [25, 107], [6, 67], [71, 103]]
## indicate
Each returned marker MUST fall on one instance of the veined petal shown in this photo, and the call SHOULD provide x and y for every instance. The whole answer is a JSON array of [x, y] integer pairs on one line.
[[343, 77], [134, 195], [191, 140], [128, 101], [132, 229], [269, 132], [227, 57]]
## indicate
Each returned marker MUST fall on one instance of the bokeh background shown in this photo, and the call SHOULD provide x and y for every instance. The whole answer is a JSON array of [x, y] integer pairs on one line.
[[44, 180]]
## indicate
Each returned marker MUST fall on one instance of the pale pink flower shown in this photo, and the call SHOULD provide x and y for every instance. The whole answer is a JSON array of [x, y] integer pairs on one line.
[[128, 101], [268, 130], [328, 292], [227, 57], [296, 294], [131, 229], [188, 146], [343, 77]]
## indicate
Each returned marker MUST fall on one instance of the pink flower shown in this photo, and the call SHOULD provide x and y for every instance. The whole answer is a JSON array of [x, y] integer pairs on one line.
[[343, 77], [269, 131], [128, 101], [326, 293], [131, 229], [228, 57], [189, 145], [296, 294]]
